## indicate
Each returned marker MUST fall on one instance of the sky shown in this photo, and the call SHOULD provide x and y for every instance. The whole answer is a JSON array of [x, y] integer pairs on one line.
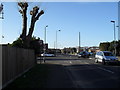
[[91, 19]]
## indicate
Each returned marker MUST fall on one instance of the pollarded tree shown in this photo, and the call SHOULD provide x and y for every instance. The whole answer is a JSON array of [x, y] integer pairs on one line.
[[23, 12], [35, 16]]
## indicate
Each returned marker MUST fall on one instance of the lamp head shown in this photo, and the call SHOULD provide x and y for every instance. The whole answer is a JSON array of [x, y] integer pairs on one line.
[[113, 21]]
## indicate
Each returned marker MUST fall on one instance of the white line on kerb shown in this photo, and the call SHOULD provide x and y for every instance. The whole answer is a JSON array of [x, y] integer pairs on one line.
[[105, 70]]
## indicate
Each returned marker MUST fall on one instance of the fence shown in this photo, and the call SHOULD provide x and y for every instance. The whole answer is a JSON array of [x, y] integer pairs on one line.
[[15, 61]]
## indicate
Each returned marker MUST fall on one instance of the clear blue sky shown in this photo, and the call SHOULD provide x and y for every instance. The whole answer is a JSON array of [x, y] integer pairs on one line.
[[92, 20]]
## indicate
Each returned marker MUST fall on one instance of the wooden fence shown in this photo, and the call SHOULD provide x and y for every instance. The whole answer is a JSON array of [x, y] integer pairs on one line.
[[15, 61]]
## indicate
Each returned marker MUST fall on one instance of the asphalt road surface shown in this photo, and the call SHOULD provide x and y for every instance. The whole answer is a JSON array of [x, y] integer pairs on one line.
[[82, 73]]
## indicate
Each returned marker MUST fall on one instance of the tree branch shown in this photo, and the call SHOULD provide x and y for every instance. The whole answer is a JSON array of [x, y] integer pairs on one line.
[[39, 14]]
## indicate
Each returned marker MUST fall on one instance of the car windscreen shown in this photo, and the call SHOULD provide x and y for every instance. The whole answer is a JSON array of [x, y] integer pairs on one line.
[[108, 54]]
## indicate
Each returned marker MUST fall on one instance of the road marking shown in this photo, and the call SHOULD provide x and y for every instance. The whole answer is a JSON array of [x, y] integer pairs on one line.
[[70, 62], [106, 70], [86, 63], [90, 58]]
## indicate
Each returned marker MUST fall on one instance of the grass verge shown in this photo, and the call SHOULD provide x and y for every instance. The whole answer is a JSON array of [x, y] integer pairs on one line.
[[34, 78]]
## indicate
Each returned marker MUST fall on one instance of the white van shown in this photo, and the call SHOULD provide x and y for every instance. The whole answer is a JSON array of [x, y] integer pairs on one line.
[[105, 57]]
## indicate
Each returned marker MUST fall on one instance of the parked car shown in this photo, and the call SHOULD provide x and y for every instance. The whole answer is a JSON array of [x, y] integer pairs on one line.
[[84, 54], [105, 57], [48, 55], [90, 53]]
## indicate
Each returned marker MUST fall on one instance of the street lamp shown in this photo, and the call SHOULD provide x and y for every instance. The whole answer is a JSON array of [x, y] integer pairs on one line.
[[114, 37], [79, 43], [45, 43], [45, 32], [118, 33], [1, 11], [56, 39]]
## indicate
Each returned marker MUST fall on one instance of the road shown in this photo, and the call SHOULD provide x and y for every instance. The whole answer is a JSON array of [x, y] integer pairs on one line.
[[85, 73]]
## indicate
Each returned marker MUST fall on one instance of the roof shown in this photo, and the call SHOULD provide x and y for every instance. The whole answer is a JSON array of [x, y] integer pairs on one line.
[[104, 51]]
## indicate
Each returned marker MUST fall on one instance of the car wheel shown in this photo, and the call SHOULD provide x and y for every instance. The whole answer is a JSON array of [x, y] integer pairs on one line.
[[103, 62], [96, 60]]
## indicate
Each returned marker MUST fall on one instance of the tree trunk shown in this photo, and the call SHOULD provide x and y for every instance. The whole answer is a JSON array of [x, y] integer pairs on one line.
[[35, 17], [23, 11], [24, 30]]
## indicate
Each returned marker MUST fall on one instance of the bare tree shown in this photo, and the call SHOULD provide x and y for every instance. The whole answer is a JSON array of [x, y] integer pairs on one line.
[[35, 16]]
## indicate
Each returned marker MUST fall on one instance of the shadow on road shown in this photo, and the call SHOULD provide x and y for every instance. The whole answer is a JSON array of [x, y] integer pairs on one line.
[[42, 76]]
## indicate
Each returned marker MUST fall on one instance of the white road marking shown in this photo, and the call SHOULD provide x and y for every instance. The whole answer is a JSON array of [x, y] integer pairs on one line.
[[70, 62], [86, 63], [106, 70], [90, 58]]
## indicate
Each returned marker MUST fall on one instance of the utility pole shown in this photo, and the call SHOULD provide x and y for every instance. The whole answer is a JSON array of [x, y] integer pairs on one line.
[[54, 44], [79, 43]]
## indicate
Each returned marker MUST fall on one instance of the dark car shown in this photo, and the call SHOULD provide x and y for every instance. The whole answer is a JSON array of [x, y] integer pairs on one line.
[[84, 54]]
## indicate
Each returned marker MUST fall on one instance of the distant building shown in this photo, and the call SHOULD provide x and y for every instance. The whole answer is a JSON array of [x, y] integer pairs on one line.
[[93, 49], [51, 51], [82, 49], [69, 50], [89, 49]]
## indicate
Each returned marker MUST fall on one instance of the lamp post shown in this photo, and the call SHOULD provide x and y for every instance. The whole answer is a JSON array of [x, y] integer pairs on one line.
[[45, 43], [118, 32], [79, 43], [56, 39], [45, 32], [114, 37]]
